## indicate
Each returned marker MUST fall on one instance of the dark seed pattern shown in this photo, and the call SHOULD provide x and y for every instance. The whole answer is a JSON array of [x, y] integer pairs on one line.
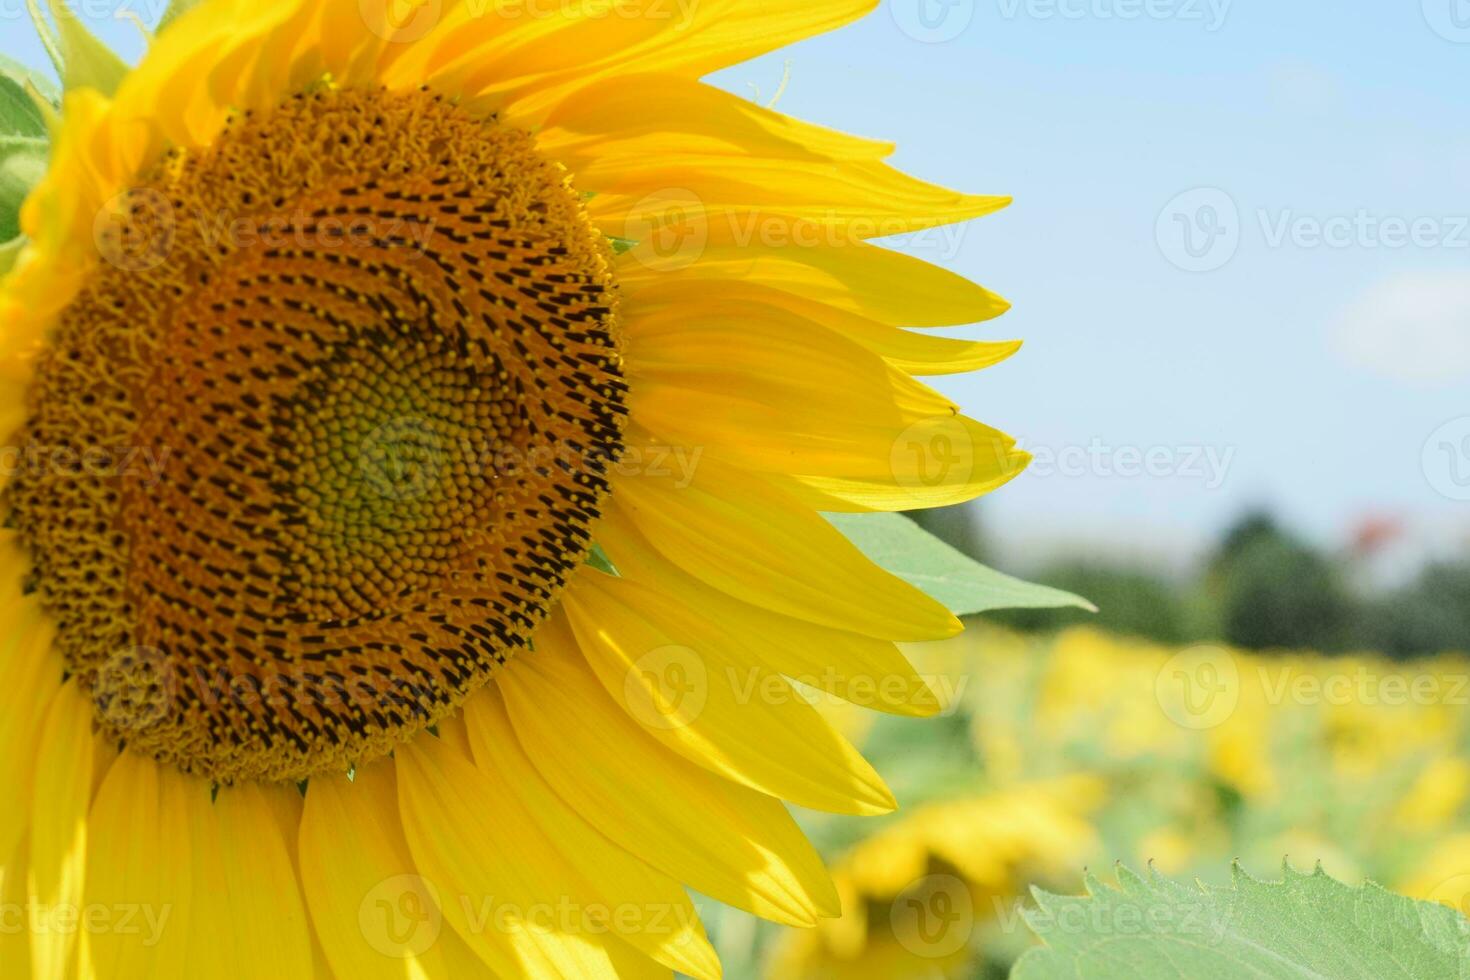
[[357, 421]]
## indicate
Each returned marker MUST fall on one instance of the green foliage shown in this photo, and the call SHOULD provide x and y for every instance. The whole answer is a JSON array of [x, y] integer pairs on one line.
[[957, 526], [1133, 602], [23, 148], [963, 585], [22, 164], [1273, 590], [1263, 588], [1278, 593], [1432, 613], [1305, 927], [19, 114]]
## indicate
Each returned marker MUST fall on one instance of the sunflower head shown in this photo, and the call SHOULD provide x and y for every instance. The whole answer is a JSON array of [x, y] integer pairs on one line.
[[368, 343], [424, 418]]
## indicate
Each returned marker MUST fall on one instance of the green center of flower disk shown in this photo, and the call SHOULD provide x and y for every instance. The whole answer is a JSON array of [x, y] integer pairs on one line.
[[325, 434]]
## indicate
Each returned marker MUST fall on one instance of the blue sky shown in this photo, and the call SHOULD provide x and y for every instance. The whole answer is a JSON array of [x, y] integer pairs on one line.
[[1311, 353], [1288, 361]]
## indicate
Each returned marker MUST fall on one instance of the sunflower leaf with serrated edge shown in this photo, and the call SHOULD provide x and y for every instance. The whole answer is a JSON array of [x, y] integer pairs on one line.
[[1305, 927]]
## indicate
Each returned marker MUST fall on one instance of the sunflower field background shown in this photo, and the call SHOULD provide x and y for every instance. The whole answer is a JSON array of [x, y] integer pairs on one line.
[[1082, 748], [1203, 722]]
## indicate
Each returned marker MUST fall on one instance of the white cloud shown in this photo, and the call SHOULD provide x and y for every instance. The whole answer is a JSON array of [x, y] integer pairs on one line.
[[1414, 327]]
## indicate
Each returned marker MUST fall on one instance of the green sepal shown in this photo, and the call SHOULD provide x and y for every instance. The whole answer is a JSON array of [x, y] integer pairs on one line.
[[599, 560], [81, 60]]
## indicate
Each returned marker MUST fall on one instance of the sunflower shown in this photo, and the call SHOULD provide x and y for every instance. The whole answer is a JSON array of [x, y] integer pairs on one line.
[[921, 896], [423, 419]]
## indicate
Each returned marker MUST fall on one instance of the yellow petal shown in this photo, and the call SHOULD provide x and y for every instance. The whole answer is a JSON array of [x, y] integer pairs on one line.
[[884, 285], [635, 137], [349, 46], [865, 671], [287, 807], [644, 907], [61, 798], [248, 919], [506, 887], [735, 380], [522, 65], [743, 850], [197, 72], [681, 37], [714, 34], [760, 352], [30, 674], [736, 533], [140, 861], [640, 116], [935, 464], [459, 959], [919, 354], [677, 677], [104, 754], [871, 453], [273, 50], [375, 917], [851, 200], [15, 945]]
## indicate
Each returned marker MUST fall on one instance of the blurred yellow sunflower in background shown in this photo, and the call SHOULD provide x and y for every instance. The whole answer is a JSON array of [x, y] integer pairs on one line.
[[424, 416], [919, 896]]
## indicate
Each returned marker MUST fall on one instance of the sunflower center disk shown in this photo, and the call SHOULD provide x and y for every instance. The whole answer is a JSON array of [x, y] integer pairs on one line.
[[324, 437]]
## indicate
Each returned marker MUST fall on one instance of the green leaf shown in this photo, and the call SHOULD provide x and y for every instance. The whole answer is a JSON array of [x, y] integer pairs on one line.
[[19, 114], [24, 147], [22, 164], [27, 77], [946, 574], [9, 252], [1306, 927]]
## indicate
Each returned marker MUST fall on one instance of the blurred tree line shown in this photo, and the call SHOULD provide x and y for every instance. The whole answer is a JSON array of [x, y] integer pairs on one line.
[[1262, 587]]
